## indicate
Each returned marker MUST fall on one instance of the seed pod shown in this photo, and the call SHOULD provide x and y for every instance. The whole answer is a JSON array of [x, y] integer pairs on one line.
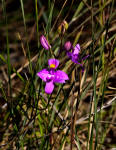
[[63, 27]]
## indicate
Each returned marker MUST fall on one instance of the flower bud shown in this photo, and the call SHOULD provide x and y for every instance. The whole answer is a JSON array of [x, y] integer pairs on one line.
[[68, 46], [44, 42], [63, 27]]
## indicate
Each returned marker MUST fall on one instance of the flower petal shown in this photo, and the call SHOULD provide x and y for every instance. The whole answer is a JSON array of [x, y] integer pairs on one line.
[[43, 74], [53, 63], [76, 49], [49, 87], [70, 55], [75, 58], [44, 42], [60, 76], [85, 57], [75, 61]]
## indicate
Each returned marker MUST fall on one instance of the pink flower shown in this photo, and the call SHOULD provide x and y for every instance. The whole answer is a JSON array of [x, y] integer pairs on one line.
[[50, 76]]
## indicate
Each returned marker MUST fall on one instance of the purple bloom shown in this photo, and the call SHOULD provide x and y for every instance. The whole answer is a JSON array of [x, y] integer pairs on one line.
[[74, 55], [44, 42], [50, 76]]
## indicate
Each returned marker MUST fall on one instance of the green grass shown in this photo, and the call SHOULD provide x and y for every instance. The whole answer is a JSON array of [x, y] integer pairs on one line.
[[79, 114]]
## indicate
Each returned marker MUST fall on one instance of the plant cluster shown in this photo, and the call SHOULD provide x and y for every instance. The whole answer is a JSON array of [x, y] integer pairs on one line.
[[50, 76]]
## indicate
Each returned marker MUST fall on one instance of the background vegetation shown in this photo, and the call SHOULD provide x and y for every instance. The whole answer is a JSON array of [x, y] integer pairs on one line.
[[80, 114]]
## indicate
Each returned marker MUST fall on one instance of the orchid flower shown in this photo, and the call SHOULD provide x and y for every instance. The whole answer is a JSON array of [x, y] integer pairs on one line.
[[44, 42], [74, 55], [50, 76]]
